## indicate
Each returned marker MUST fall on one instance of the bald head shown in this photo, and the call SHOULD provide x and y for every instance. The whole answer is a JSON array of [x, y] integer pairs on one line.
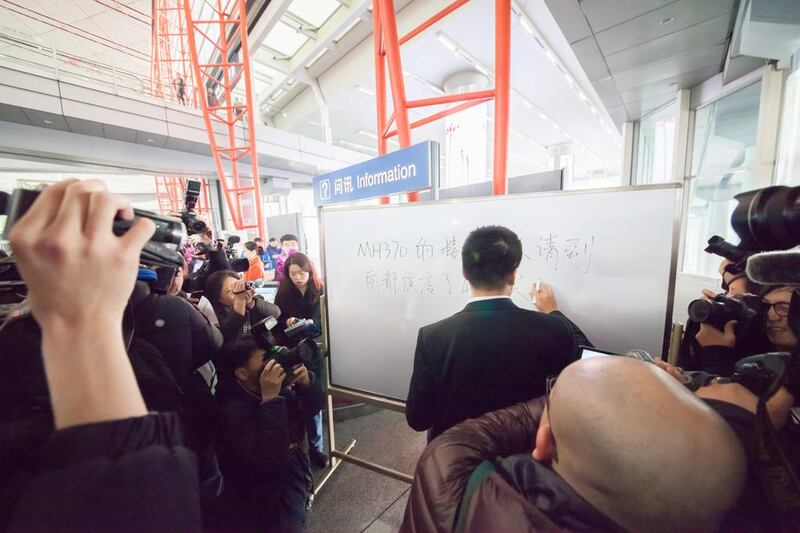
[[640, 447]]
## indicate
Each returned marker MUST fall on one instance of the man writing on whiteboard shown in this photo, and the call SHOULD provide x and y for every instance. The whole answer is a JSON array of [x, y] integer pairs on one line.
[[492, 354]]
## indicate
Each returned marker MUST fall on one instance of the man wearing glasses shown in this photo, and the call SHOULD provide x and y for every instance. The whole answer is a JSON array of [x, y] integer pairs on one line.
[[777, 302]]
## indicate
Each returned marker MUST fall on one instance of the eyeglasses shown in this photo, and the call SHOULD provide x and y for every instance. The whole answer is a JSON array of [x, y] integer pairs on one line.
[[781, 308]]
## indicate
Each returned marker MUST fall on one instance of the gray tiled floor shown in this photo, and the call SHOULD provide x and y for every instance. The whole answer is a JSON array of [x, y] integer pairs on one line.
[[356, 499]]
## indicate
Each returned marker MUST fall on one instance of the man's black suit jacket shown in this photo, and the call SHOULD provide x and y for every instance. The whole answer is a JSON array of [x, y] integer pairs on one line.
[[490, 355]]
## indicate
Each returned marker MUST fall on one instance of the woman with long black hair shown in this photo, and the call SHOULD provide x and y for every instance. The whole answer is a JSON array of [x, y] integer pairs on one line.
[[298, 298]]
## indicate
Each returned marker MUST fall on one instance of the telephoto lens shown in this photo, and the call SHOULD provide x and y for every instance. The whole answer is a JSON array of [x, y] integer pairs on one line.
[[768, 218]]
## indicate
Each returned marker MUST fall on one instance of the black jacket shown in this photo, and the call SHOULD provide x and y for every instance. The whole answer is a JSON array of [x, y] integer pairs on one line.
[[266, 484], [490, 355], [294, 304], [176, 328], [217, 260], [123, 475], [235, 326], [184, 338]]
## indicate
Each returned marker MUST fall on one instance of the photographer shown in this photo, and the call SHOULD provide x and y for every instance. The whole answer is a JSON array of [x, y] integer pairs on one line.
[[235, 304], [214, 260], [298, 298], [109, 464], [262, 440]]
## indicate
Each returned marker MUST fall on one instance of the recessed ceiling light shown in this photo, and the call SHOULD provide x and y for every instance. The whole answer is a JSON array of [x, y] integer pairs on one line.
[[48, 121], [666, 21], [150, 140]]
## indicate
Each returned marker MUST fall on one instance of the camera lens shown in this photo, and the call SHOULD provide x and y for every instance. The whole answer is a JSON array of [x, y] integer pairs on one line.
[[768, 219], [700, 310]]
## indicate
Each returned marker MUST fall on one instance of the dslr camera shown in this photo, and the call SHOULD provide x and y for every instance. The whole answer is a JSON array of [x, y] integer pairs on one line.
[[306, 352], [188, 216], [746, 309]]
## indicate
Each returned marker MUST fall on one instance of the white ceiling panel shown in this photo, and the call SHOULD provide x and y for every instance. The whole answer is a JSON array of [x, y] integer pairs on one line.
[[119, 134], [669, 85], [13, 114], [571, 19], [642, 107], [607, 91], [588, 53], [657, 23], [710, 33], [674, 66], [46, 120], [85, 127], [603, 14], [651, 48]]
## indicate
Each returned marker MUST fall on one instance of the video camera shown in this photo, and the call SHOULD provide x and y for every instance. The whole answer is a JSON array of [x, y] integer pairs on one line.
[[161, 250], [305, 351]]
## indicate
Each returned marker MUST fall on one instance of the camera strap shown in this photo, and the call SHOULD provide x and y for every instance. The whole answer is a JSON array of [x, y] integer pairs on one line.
[[774, 472]]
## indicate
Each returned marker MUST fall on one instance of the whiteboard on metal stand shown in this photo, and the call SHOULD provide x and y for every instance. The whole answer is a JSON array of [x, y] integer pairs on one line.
[[389, 270]]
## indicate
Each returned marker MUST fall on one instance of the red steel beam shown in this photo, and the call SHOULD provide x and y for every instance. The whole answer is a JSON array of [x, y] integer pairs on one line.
[[431, 21], [387, 48], [450, 98], [442, 114], [225, 71]]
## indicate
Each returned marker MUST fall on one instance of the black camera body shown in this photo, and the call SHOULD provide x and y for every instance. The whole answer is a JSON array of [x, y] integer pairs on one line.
[[746, 309], [306, 352], [188, 216], [162, 249]]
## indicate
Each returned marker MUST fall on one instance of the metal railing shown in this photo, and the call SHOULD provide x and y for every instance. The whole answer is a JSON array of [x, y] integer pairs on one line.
[[28, 51]]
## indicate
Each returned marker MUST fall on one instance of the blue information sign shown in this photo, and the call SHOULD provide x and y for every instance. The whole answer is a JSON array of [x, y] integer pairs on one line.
[[410, 169]]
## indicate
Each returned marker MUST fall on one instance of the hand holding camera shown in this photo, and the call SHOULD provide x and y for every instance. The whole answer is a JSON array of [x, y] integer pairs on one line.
[[78, 272], [711, 336], [271, 380], [300, 376]]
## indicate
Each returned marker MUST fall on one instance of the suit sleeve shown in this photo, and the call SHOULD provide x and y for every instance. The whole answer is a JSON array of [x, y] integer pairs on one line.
[[449, 460], [580, 337], [421, 405]]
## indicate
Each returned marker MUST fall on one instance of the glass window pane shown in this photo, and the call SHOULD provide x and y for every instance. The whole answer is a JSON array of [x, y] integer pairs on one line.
[[285, 40], [788, 171], [314, 12], [656, 141], [724, 143], [725, 132]]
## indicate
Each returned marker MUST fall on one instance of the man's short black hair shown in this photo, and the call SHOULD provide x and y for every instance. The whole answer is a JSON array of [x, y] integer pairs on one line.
[[236, 354], [489, 255], [289, 237], [273, 239]]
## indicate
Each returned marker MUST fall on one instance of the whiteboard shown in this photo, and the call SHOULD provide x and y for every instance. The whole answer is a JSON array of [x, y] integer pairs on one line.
[[389, 270]]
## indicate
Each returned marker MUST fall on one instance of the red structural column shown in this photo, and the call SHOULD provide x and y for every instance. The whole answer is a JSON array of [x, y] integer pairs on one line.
[[387, 48], [502, 97], [391, 47], [380, 82]]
